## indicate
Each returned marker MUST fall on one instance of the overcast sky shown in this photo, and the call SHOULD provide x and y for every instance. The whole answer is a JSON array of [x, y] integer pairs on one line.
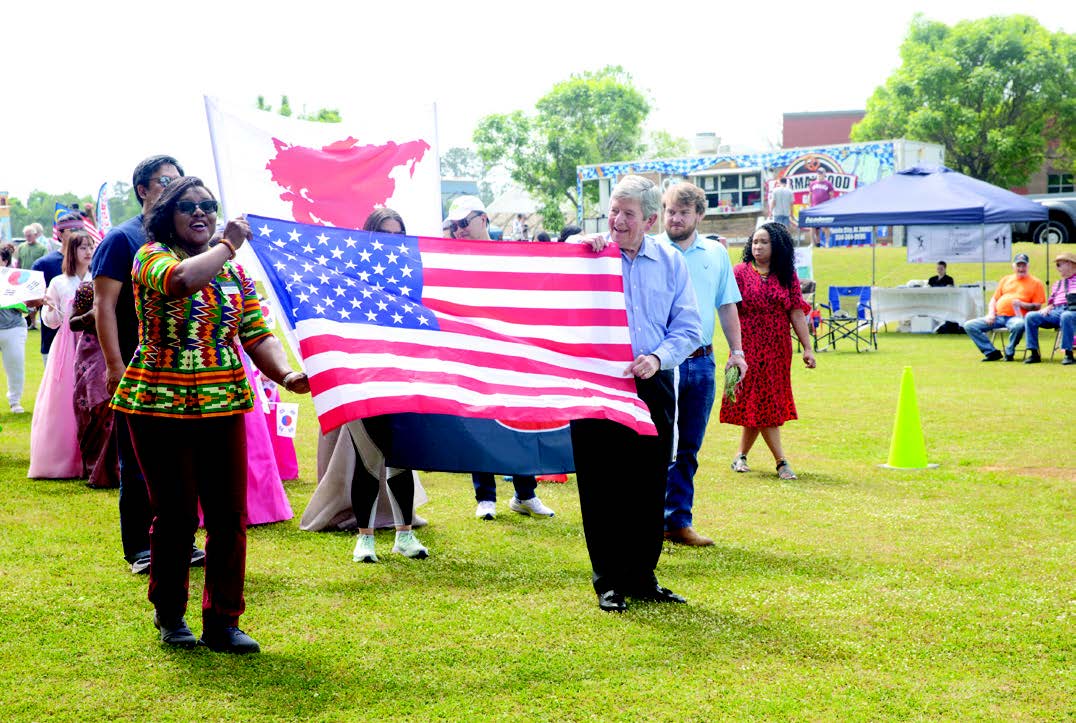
[[90, 89]]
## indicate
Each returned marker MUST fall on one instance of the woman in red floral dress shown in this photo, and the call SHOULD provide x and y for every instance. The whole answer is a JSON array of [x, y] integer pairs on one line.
[[771, 300]]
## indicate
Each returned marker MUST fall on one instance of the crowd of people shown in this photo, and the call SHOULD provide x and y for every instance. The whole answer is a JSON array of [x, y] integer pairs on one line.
[[161, 349]]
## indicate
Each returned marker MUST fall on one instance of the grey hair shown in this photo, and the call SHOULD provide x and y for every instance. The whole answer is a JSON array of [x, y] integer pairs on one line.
[[643, 190]]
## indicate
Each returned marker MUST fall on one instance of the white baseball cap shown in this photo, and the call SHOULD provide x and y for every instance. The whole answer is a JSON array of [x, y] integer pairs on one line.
[[464, 206]]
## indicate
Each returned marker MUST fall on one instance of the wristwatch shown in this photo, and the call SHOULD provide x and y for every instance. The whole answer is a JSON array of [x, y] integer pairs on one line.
[[736, 352]]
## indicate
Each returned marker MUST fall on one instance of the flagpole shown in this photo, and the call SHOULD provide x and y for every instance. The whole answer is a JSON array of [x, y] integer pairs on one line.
[[246, 257]]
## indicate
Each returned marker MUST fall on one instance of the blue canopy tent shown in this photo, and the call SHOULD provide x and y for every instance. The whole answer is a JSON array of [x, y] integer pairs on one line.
[[927, 195]]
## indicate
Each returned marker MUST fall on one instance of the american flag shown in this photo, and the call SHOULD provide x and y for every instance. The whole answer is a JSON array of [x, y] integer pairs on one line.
[[87, 223], [510, 331]]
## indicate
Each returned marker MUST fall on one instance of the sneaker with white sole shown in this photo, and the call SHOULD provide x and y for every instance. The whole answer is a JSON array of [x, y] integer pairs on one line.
[[409, 546], [486, 510], [17, 409], [364, 549], [533, 506]]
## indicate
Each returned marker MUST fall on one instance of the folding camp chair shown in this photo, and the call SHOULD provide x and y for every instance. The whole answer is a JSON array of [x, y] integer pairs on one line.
[[807, 288], [841, 322]]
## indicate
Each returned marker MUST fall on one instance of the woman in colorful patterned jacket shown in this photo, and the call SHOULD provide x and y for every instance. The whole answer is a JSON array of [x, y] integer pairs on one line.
[[184, 394]]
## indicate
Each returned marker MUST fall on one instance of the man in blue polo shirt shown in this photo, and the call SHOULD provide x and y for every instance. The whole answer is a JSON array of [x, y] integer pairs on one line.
[[715, 288]]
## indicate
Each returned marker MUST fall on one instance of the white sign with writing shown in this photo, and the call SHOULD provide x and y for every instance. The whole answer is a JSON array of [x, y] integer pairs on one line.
[[931, 244]]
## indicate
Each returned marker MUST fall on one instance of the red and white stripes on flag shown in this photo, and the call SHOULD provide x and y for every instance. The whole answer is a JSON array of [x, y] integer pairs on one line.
[[519, 332]]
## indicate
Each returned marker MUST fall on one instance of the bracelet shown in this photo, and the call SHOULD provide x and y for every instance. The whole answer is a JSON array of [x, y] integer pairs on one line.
[[736, 352], [284, 381], [228, 244]]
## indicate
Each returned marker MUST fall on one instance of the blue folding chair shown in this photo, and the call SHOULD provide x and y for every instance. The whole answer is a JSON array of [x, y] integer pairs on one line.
[[841, 322]]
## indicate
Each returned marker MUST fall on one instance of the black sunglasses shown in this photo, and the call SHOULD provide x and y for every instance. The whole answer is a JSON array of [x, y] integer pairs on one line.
[[462, 223], [187, 207]]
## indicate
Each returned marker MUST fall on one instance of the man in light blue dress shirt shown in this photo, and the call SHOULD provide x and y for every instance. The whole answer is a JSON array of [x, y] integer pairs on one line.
[[622, 474], [715, 288]]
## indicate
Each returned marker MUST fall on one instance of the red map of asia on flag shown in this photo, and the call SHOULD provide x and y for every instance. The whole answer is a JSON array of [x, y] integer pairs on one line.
[[340, 184]]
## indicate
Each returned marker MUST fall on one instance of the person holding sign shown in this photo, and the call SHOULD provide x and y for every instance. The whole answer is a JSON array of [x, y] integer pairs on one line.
[[12, 338]]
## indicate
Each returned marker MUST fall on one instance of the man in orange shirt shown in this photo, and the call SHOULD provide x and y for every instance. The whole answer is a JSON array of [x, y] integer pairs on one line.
[[1017, 294]]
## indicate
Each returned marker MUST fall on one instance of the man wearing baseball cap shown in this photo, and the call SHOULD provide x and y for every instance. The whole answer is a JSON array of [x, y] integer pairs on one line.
[[1017, 294], [1058, 313], [467, 219]]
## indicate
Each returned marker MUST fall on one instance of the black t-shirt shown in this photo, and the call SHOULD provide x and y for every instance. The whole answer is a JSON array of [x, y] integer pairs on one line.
[[946, 280], [114, 259]]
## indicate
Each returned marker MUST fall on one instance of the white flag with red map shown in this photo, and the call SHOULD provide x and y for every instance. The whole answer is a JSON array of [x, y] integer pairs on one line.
[[328, 174]]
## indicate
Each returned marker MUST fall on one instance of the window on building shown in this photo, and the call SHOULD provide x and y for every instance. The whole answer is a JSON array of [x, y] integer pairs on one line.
[[1060, 183], [738, 190]]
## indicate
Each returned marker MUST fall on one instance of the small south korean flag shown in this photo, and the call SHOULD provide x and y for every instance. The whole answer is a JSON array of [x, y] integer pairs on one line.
[[287, 415]]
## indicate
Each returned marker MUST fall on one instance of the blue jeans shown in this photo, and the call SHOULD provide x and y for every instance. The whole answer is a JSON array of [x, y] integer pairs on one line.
[[485, 486], [695, 399], [978, 330], [1055, 318]]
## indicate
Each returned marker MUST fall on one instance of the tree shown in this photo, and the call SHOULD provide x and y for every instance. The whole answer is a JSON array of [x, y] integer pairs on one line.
[[662, 144], [40, 207], [594, 117], [322, 115], [461, 163], [995, 92]]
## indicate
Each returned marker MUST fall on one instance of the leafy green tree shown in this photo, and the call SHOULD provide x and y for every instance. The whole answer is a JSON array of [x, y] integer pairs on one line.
[[593, 117], [322, 115], [995, 92], [662, 144], [122, 203], [461, 162], [40, 207]]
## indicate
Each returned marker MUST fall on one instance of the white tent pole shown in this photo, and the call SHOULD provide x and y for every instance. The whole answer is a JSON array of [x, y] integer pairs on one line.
[[982, 240]]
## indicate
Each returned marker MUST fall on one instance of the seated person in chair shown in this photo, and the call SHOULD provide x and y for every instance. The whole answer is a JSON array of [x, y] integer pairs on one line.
[[1016, 294], [1058, 313], [943, 278]]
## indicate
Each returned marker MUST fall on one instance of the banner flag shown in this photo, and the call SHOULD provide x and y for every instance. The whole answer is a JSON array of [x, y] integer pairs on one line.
[[104, 218], [930, 244]]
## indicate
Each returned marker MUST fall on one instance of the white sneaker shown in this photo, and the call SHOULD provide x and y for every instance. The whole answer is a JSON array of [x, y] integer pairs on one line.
[[533, 506], [409, 546], [17, 409], [486, 510], [364, 549]]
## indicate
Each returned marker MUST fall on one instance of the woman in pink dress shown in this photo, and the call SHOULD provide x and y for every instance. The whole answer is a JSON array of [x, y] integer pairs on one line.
[[54, 448], [771, 301]]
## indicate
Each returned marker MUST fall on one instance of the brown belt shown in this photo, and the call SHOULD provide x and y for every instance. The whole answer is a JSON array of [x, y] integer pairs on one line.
[[701, 351]]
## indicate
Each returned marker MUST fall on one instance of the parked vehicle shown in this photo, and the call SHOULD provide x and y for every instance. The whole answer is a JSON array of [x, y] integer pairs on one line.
[[1059, 229]]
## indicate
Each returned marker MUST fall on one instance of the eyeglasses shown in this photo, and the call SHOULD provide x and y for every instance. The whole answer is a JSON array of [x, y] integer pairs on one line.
[[187, 207], [462, 223], [163, 181]]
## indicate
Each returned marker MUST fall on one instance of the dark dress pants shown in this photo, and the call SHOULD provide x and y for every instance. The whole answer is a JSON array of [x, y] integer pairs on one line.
[[621, 477], [186, 461]]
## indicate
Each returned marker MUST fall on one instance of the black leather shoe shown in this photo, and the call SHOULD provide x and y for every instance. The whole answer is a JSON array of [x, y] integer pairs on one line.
[[993, 356], [229, 640], [612, 602], [197, 557], [658, 594], [1032, 357], [174, 631]]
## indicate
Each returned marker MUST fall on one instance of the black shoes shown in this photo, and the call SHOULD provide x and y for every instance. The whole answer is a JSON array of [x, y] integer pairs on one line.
[[197, 557], [993, 356], [174, 631], [658, 594], [1068, 360], [229, 640], [611, 601], [1032, 357]]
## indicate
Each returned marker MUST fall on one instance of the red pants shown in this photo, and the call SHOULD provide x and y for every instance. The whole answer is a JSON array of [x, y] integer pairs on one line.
[[184, 461]]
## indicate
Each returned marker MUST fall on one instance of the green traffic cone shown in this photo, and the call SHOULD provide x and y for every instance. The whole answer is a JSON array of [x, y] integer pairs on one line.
[[907, 449]]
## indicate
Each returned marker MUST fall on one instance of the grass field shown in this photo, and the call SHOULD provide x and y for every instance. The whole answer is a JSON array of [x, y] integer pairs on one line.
[[854, 593]]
